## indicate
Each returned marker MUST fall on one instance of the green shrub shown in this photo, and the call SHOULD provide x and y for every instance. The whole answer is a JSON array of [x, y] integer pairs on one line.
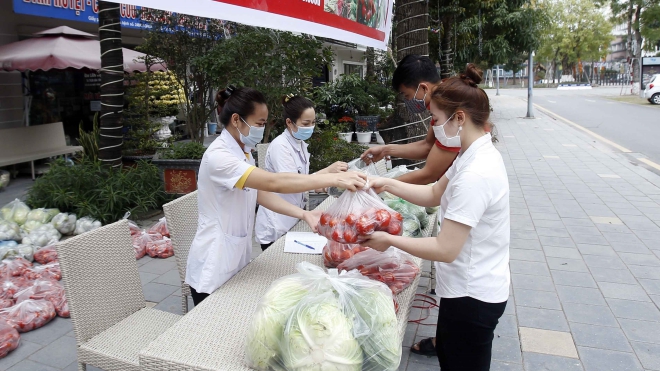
[[90, 189], [184, 151], [326, 148]]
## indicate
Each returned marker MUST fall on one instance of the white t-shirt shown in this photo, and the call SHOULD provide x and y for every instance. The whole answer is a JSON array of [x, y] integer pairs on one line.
[[478, 195]]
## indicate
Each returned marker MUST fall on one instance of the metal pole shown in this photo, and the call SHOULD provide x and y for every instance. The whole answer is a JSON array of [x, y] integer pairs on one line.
[[498, 79], [530, 84]]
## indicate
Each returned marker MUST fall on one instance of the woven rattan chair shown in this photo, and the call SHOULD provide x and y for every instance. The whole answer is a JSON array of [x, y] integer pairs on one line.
[[181, 215], [110, 318]]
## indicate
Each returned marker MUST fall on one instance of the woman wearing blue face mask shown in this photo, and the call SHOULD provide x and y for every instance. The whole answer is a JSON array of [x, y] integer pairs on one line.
[[288, 154], [230, 186]]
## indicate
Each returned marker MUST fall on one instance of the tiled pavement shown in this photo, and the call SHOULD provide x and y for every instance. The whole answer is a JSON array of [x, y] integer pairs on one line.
[[585, 249]]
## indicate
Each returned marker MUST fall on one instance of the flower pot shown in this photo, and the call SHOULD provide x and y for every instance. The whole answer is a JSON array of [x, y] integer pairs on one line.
[[379, 139], [366, 123], [179, 176], [346, 136], [164, 131], [364, 138]]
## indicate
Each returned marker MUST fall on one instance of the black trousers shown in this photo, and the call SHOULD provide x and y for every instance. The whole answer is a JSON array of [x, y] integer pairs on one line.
[[197, 297], [464, 337], [264, 246]]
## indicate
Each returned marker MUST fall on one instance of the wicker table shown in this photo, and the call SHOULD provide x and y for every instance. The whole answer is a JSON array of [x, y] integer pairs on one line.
[[212, 335]]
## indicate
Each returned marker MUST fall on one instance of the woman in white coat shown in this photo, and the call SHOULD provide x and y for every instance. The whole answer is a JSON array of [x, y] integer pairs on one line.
[[471, 250], [229, 187], [288, 154]]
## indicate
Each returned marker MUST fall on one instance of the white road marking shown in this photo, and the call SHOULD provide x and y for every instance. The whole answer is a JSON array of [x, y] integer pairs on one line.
[[613, 176], [589, 100], [649, 162]]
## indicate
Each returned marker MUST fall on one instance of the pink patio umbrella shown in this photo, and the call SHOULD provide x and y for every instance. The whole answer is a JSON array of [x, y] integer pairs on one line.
[[63, 47]]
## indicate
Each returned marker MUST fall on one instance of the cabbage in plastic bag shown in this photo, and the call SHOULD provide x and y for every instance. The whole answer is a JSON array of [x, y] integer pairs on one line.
[[86, 224], [15, 211], [9, 230], [64, 223], [42, 215], [43, 235]]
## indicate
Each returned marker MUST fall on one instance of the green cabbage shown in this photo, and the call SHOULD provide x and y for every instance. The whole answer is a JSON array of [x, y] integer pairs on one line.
[[265, 334], [42, 215], [382, 346], [319, 337], [15, 211]]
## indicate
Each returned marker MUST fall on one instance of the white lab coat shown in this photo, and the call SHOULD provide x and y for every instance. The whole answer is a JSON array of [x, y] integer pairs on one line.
[[285, 154], [222, 245]]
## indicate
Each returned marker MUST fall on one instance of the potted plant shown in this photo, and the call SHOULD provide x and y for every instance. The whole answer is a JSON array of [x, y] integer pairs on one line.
[[345, 129], [179, 166]]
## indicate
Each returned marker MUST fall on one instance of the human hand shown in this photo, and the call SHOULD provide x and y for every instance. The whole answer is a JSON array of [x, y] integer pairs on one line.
[[337, 167], [378, 184], [351, 180], [379, 241], [373, 154], [312, 219]]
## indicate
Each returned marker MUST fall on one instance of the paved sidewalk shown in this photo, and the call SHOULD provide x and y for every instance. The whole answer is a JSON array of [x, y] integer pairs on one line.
[[585, 243]]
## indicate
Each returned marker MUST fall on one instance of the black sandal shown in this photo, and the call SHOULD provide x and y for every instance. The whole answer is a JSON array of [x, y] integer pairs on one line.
[[426, 348]]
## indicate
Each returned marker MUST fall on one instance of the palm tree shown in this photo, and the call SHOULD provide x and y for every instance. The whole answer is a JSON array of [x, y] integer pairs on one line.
[[112, 84]]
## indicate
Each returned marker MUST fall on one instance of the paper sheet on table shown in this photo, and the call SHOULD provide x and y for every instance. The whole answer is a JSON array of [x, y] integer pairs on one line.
[[307, 238]]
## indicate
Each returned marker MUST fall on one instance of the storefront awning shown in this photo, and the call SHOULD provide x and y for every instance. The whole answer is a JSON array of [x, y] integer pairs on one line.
[[63, 47]]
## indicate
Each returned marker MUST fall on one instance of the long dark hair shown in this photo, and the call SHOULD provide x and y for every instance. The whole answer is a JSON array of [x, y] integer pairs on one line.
[[237, 100]]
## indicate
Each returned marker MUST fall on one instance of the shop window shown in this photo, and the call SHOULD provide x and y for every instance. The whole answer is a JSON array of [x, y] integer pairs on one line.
[[350, 69]]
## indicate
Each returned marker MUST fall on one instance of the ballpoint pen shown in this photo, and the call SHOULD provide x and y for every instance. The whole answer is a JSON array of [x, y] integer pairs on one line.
[[307, 246]]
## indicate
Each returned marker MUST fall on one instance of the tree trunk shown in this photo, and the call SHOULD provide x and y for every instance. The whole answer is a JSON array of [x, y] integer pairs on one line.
[[371, 68], [637, 74], [447, 59], [112, 85]]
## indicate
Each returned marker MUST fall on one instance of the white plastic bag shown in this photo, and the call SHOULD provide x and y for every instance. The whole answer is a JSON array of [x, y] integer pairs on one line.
[[86, 224], [315, 320], [15, 211], [9, 230], [64, 223], [42, 215], [42, 236]]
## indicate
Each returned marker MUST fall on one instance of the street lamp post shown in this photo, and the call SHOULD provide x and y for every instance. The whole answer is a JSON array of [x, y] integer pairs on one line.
[[498, 79], [530, 85]]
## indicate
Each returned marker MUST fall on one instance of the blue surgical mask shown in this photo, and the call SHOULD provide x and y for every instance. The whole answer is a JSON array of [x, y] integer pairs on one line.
[[304, 132], [415, 105], [254, 137]]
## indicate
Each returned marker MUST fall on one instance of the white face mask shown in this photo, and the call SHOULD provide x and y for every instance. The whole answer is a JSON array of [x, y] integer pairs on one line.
[[441, 136]]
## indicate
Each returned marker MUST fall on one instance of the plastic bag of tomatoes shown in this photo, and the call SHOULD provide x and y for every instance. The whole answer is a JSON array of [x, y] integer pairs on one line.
[[49, 271], [392, 267], [28, 314], [9, 339], [160, 249], [160, 227], [358, 214], [52, 291], [46, 255], [14, 267], [141, 241], [334, 253]]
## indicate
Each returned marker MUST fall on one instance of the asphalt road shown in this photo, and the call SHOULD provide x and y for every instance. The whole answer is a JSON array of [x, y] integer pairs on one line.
[[633, 126]]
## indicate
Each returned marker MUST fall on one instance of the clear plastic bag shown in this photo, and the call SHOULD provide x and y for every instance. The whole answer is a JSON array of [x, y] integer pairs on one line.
[[397, 172], [315, 320], [49, 271], [9, 339], [6, 303], [391, 267], [160, 248], [43, 235], [141, 241], [160, 227], [64, 223], [48, 290], [15, 211], [28, 315], [42, 215], [14, 267], [86, 224], [334, 253], [357, 214], [46, 255], [9, 231]]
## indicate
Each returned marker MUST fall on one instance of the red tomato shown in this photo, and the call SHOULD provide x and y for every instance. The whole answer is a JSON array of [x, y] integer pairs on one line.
[[351, 219], [394, 228], [356, 250], [335, 255], [346, 254], [337, 235], [365, 225], [397, 216], [325, 219], [383, 217], [350, 236], [333, 222]]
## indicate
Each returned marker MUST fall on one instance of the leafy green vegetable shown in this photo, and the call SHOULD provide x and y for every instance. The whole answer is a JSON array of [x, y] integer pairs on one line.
[[319, 337], [265, 334]]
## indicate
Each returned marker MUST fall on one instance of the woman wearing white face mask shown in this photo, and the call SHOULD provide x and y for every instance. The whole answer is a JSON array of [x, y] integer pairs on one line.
[[471, 251], [229, 187], [288, 154]]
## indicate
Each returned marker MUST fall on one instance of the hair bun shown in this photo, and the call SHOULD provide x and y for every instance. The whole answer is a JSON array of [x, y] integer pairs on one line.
[[287, 98], [224, 95], [472, 75]]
